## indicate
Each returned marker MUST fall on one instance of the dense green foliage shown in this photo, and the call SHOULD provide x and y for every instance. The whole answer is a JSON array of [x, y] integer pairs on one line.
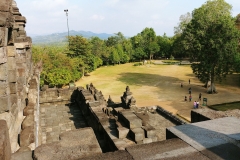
[[212, 40], [208, 37]]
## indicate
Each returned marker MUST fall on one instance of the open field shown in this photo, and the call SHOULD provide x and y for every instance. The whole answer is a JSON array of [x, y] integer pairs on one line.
[[159, 85]]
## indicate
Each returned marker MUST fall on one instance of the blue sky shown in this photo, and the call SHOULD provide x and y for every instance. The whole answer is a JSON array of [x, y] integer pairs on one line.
[[108, 16]]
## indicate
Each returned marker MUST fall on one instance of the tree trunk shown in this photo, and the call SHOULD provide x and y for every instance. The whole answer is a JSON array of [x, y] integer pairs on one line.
[[212, 88]]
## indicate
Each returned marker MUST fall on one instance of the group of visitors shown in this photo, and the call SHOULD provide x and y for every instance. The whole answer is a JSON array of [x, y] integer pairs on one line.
[[196, 103]]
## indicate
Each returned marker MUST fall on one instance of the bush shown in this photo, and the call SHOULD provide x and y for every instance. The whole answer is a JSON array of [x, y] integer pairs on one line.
[[137, 64]]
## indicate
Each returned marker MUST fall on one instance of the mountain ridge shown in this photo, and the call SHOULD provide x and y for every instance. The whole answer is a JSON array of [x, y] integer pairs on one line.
[[58, 38]]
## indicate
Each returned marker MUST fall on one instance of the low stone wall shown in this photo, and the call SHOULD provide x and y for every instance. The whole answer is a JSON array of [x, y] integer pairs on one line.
[[52, 95], [199, 115], [169, 116]]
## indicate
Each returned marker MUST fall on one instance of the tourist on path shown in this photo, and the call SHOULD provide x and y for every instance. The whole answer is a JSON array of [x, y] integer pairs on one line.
[[181, 85], [190, 98], [189, 81], [185, 99], [200, 96], [197, 105], [190, 90], [194, 104]]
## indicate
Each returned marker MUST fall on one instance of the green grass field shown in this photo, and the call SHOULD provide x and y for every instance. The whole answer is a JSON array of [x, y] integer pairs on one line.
[[158, 85]]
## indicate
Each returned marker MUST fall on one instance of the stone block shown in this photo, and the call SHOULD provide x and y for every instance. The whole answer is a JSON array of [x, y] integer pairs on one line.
[[21, 72], [26, 155], [11, 63], [5, 103], [3, 72], [28, 121], [5, 147], [3, 36], [169, 149], [75, 144], [11, 51], [147, 140], [4, 88], [117, 155], [13, 99], [28, 53], [20, 19], [14, 109], [27, 136], [137, 134], [12, 75], [149, 131], [21, 81], [122, 132], [29, 110], [13, 88], [33, 84], [3, 55], [3, 17], [5, 5], [22, 45]]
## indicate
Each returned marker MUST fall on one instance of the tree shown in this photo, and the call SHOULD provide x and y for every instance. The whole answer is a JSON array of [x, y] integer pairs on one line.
[[211, 39], [149, 42], [165, 44]]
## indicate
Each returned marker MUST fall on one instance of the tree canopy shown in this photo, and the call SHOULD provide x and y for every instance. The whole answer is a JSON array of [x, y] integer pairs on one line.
[[212, 40]]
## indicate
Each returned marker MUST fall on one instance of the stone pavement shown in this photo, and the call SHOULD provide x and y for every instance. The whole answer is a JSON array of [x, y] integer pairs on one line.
[[56, 119], [216, 139]]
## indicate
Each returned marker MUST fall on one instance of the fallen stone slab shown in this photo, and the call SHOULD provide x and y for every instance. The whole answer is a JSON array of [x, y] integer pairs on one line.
[[217, 139], [168, 149]]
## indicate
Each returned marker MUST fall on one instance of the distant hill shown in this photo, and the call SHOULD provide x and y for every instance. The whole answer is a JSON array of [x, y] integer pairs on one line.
[[60, 38]]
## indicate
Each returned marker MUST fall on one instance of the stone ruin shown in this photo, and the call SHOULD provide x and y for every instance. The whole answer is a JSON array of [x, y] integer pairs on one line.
[[78, 123]]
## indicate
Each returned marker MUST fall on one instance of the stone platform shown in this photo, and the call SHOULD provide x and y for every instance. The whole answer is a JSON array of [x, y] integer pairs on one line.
[[56, 119], [216, 139]]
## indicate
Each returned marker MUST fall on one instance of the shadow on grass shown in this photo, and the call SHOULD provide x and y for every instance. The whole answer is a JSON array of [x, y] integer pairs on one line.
[[145, 79]]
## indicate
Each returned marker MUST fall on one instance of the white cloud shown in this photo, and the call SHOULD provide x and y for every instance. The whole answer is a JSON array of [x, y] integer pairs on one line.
[[97, 17]]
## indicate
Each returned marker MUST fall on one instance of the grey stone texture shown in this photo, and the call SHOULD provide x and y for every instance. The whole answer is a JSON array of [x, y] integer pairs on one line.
[[74, 144], [217, 139], [173, 149], [117, 155], [25, 155]]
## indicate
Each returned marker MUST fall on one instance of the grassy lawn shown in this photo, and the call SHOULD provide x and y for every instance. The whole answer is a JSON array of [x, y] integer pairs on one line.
[[159, 85], [226, 106]]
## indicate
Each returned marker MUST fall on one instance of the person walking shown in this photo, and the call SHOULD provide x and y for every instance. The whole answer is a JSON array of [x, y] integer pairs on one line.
[[197, 104], [185, 98], [200, 96], [190, 98], [194, 104], [189, 81], [181, 85]]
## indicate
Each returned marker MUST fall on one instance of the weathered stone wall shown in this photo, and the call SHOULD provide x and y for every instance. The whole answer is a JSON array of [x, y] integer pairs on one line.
[[15, 67], [5, 148]]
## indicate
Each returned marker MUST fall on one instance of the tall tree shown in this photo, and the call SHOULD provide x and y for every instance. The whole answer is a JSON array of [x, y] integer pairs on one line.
[[150, 42], [211, 39]]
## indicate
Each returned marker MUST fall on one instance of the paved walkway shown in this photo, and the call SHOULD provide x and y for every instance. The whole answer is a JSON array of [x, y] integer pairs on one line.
[[56, 119]]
